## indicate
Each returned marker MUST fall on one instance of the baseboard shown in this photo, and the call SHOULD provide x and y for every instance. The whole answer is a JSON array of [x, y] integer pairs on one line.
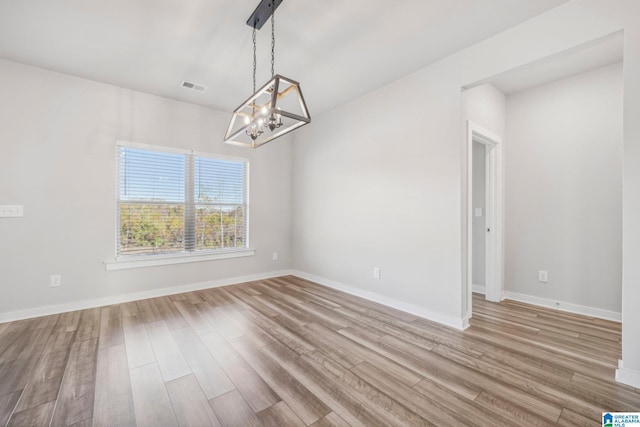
[[457, 323], [479, 289], [11, 316], [565, 306], [627, 376]]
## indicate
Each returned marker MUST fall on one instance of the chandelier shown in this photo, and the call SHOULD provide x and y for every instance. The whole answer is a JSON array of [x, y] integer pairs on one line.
[[275, 109]]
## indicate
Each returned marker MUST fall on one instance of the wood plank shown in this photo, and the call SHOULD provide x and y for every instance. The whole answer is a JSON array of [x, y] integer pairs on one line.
[[218, 320], [511, 411], [150, 398], [210, 376], [279, 415], [323, 385], [470, 411], [170, 313], [279, 332], [516, 388], [4, 327], [613, 397], [331, 420], [364, 353], [248, 299], [429, 409], [248, 328], [571, 419], [199, 323], [89, 327], [541, 396], [44, 380], [388, 410], [137, 343], [430, 366], [113, 398], [170, 360], [111, 333], [36, 416], [231, 299], [7, 405], [129, 309], [303, 403], [75, 401], [543, 352], [190, 404], [21, 345], [17, 372], [251, 386], [67, 322], [232, 410], [336, 352], [149, 311]]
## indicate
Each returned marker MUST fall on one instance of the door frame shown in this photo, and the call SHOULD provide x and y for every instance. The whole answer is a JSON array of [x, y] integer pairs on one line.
[[494, 213]]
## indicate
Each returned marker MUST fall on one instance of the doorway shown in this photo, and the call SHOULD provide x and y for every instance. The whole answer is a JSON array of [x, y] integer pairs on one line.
[[484, 214]]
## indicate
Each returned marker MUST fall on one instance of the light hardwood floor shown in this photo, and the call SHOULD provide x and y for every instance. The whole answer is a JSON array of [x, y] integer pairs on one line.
[[287, 352]]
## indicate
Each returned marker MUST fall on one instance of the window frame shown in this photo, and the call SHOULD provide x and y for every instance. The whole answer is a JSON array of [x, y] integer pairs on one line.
[[185, 256]]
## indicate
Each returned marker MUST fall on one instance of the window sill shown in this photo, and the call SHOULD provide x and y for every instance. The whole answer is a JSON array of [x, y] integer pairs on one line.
[[123, 263]]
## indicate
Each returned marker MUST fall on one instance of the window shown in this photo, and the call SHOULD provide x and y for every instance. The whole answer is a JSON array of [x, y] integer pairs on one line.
[[174, 203]]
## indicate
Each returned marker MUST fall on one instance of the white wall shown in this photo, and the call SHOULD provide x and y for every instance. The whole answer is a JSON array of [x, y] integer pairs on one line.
[[486, 106], [378, 181], [57, 158], [564, 190], [479, 222], [375, 185]]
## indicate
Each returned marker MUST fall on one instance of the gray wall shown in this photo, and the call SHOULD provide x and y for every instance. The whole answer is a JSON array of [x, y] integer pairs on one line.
[[57, 158], [479, 223], [564, 190]]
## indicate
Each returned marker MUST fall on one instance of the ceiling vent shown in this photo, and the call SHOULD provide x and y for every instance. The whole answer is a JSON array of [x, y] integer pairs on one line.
[[193, 86]]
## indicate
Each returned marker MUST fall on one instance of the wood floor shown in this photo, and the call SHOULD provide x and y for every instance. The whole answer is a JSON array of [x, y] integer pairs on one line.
[[287, 352]]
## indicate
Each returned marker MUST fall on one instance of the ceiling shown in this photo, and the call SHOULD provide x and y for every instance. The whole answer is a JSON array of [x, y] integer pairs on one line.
[[338, 50], [599, 53]]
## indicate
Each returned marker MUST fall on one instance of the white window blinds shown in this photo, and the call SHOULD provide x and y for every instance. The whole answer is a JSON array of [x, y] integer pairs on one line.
[[171, 203]]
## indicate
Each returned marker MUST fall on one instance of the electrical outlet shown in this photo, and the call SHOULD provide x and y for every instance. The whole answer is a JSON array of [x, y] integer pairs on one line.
[[543, 276], [55, 280], [275, 256], [376, 272]]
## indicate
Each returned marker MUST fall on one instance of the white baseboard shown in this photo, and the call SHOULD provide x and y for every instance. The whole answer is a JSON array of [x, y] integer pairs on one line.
[[457, 323], [565, 306], [479, 289], [627, 376], [11, 316]]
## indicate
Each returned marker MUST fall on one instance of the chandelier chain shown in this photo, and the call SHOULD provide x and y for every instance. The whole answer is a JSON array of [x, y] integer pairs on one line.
[[273, 37], [254, 59]]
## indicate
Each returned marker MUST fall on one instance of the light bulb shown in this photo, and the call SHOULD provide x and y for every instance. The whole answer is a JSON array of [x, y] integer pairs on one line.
[[264, 110], [247, 120]]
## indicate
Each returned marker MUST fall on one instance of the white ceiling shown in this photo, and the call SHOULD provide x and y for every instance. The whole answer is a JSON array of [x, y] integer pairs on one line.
[[600, 53], [338, 50]]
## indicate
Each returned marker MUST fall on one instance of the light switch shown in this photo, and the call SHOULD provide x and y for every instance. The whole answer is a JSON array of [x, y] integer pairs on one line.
[[478, 212], [11, 211]]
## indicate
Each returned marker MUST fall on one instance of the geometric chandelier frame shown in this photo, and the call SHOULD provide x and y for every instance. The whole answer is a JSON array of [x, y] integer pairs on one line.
[[275, 109]]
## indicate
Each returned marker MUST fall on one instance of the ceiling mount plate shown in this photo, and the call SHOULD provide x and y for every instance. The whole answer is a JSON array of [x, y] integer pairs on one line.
[[262, 13]]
